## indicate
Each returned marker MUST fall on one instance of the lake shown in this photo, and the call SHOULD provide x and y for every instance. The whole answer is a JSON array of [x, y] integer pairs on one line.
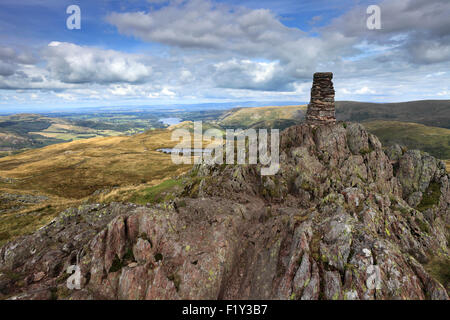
[[170, 121], [182, 151]]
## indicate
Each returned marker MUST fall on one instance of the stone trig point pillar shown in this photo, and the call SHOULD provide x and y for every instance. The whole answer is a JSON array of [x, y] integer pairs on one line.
[[321, 108]]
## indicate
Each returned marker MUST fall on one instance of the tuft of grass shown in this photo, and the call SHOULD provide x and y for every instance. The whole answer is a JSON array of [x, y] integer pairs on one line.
[[176, 279], [439, 269], [116, 265], [365, 151], [156, 194], [430, 197], [423, 226], [14, 276]]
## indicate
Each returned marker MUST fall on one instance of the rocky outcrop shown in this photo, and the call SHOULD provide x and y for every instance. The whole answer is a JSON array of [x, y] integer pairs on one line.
[[321, 109], [338, 221]]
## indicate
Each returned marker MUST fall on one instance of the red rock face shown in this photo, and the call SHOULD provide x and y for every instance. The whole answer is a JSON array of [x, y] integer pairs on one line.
[[339, 221], [321, 108]]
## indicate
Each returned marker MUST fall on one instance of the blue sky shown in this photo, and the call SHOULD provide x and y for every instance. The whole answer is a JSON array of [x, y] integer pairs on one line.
[[192, 51]]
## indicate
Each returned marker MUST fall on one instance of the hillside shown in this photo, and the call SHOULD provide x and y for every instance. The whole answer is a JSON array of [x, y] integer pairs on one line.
[[434, 113], [249, 117], [414, 135], [434, 140], [37, 184], [26, 131], [78, 168], [340, 220], [20, 132]]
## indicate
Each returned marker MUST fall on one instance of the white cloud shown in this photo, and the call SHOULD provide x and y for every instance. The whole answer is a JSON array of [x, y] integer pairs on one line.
[[163, 93], [248, 74], [365, 90], [65, 96], [122, 90], [71, 63], [217, 51]]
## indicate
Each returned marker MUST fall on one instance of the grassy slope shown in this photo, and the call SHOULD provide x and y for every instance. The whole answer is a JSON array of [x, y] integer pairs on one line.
[[68, 173], [247, 117], [433, 140], [26, 131], [78, 168], [428, 112]]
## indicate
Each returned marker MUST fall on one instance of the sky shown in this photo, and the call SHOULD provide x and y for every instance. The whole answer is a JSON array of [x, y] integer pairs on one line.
[[159, 52]]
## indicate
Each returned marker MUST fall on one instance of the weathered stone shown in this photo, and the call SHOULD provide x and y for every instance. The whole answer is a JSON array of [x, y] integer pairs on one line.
[[336, 210]]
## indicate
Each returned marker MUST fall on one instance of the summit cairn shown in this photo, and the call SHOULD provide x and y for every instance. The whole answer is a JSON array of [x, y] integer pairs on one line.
[[321, 108]]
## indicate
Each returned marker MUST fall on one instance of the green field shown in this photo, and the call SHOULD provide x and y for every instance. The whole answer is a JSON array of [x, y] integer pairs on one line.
[[434, 140], [30, 131], [262, 116], [434, 113]]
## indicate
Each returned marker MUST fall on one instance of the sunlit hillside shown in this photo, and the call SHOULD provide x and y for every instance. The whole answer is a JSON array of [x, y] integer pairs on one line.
[[78, 168], [38, 184], [247, 117]]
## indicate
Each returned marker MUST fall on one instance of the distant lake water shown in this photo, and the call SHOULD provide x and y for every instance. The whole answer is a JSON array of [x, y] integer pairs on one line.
[[186, 150], [170, 121]]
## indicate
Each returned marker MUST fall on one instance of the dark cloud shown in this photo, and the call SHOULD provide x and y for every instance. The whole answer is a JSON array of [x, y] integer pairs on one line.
[[11, 60], [6, 69]]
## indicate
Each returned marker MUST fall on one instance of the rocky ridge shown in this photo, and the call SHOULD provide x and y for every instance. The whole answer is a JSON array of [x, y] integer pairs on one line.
[[342, 219]]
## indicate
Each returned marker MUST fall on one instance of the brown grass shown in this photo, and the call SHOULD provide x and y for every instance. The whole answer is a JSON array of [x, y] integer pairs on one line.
[[247, 116], [77, 169], [69, 174], [31, 217]]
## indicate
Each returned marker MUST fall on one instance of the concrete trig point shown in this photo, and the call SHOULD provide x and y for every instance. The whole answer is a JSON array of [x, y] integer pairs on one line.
[[321, 109]]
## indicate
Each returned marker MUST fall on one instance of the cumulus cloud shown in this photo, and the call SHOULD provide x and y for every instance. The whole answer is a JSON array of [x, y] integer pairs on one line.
[[420, 30], [234, 37], [6, 69], [11, 60], [365, 90], [202, 24], [71, 63], [247, 74], [213, 50]]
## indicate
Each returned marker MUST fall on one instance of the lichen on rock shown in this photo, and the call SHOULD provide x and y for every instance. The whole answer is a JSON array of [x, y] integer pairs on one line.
[[342, 219]]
